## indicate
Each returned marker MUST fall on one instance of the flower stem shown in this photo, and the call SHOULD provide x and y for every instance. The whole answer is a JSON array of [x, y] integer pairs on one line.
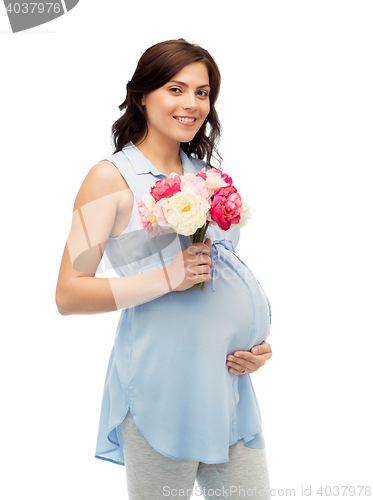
[[198, 237], [205, 229]]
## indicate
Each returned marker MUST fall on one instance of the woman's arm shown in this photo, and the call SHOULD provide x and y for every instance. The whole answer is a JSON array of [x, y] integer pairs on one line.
[[94, 215], [95, 210], [78, 293]]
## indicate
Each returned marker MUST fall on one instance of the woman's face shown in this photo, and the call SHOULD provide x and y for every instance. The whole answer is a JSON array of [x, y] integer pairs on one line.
[[176, 111]]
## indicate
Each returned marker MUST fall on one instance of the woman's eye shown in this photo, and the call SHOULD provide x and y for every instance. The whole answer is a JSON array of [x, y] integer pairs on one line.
[[203, 93], [175, 89]]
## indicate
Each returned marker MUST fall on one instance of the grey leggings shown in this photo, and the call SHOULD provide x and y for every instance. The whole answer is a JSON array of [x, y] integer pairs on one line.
[[153, 476]]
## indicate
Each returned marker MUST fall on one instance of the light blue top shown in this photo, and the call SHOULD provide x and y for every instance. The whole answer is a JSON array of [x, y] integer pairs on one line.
[[168, 363]]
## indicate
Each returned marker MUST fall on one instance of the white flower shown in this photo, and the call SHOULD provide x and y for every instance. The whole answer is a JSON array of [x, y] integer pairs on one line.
[[186, 212]]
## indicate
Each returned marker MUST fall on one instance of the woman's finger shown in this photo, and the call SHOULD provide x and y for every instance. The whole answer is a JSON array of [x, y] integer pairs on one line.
[[246, 360], [257, 359], [238, 368], [262, 348]]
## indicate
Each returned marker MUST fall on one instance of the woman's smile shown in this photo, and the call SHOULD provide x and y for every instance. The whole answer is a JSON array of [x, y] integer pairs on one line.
[[186, 120]]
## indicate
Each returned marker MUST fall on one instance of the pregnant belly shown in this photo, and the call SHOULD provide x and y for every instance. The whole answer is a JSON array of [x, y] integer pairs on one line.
[[231, 313]]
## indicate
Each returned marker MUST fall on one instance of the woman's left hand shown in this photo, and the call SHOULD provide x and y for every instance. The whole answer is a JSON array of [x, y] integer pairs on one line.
[[250, 360]]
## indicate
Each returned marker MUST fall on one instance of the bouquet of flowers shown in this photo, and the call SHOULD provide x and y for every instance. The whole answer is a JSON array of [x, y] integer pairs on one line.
[[187, 204]]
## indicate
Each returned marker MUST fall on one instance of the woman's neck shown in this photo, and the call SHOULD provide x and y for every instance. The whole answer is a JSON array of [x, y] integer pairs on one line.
[[165, 157]]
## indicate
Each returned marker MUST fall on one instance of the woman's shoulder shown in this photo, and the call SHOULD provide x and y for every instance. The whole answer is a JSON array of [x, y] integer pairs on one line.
[[106, 174], [102, 179]]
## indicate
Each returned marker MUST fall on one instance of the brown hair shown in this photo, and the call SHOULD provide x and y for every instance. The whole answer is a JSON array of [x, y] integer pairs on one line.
[[155, 68]]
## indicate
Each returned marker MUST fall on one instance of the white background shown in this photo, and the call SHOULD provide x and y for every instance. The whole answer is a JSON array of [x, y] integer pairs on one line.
[[296, 106]]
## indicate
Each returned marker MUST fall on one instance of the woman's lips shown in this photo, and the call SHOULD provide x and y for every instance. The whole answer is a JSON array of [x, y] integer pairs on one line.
[[186, 123]]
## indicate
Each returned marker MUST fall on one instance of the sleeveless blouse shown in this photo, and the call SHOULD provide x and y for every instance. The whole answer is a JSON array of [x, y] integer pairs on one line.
[[168, 362]]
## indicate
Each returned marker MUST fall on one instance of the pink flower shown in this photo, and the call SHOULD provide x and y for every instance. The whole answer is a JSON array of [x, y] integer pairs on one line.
[[166, 187], [226, 207], [145, 216], [160, 210], [225, 177], [196, 184], [214, 178]]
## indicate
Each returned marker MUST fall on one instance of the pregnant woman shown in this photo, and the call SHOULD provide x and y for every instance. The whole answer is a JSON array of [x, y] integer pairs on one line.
[[178, 404]]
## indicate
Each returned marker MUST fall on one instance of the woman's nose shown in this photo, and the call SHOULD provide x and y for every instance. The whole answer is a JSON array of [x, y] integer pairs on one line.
[[190, 102]]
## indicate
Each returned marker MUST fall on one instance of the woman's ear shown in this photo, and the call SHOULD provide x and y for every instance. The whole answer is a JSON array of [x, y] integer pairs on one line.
[[142, 101]]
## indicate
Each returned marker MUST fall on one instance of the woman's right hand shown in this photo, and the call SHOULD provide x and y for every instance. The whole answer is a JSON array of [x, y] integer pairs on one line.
[[188, 268]]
